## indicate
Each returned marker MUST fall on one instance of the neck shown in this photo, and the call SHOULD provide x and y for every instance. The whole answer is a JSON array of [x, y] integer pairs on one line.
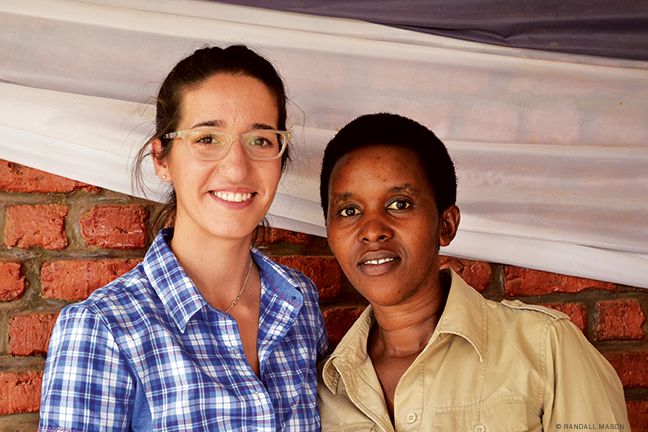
[[216, 266], [404, 330]]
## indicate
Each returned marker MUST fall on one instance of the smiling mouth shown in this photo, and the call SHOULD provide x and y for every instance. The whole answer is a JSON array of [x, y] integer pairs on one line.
[[378, 261], [233, 197]]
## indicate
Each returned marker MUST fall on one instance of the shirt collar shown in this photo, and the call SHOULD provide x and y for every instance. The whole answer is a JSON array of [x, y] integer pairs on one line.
[[464, 315], [279, 280], [180, 296], [177, 292]]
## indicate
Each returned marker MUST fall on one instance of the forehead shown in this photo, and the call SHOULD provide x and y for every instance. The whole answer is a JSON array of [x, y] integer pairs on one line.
[[229, 96], [378, 165]]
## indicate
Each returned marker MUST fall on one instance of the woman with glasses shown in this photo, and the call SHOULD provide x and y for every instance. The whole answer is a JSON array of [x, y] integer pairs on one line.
[[206, 333]]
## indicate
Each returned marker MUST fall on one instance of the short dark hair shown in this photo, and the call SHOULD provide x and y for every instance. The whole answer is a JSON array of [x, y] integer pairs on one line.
[[394, 130]]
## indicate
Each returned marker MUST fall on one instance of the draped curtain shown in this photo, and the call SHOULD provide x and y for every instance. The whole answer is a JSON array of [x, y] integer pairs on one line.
[[551, 148]]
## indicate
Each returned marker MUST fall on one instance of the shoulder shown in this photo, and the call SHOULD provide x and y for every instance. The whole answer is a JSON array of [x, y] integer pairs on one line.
[[120, 318], [124, 299], [127, 284], [77, 318], [80, 332], [528, 325], [542, 312], [467, 306]]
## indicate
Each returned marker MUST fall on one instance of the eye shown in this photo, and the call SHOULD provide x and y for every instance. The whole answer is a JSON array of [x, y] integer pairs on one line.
[[208, 139], [259, 141], [349, 212], [399, 205]]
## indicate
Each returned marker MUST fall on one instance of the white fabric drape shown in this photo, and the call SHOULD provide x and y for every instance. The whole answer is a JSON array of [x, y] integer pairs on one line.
[[551, 149]]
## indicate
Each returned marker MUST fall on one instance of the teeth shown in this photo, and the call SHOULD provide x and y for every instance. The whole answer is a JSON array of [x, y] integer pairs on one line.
[[233, 197], [379, 261]]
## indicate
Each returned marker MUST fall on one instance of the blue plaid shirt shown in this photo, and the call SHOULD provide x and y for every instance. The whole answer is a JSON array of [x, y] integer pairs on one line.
[[147, 352]]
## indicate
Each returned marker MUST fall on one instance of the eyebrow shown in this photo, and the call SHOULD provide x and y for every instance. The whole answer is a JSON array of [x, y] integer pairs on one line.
[[221, 124], [407, 187], [208, 123], [341, 197]]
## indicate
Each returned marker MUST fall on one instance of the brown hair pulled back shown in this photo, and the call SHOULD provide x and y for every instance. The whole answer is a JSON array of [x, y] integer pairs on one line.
[[188, 74]]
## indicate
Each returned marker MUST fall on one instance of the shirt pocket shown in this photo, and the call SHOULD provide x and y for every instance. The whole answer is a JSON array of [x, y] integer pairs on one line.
[[354, 427], [504, 413]]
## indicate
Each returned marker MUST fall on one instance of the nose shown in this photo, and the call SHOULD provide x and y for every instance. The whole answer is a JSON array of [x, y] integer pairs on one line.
[[235, 165], [375, 228]]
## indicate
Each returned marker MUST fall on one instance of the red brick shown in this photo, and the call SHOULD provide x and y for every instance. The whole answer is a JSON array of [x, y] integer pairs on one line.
[[18, 178], [76, 280], [338, 321], [620, 319], [36, 225], [631, 367], [30, 334], [277, 235], [324, 271], [477, 274], [12, 283], [576, 311], [638, 415], [20, 392], [519, 281], [115, 227]]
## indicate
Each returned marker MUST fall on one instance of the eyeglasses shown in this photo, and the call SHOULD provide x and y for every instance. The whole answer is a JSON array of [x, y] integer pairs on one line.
[[212, 145]]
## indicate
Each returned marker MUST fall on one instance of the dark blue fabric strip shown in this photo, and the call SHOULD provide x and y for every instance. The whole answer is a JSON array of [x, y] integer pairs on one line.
[[617, 29]]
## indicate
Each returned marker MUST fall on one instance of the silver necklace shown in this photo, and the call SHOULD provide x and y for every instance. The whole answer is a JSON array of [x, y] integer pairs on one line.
[[242, 288]]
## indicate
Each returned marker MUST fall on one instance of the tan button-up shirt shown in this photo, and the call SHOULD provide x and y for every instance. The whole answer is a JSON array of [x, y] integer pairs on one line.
[[488, 367]]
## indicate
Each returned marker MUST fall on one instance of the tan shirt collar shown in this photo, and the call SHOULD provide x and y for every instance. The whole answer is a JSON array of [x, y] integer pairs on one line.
[[464, 315]]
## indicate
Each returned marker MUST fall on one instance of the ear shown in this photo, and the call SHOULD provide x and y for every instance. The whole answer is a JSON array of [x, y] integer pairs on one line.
[[448, 225], [160, 163]]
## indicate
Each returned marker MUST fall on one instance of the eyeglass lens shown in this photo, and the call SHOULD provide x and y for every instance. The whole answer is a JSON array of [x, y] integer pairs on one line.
[[213, 144]]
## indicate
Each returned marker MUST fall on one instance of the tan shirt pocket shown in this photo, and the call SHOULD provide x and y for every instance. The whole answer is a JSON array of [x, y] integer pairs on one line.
[[505, 413]]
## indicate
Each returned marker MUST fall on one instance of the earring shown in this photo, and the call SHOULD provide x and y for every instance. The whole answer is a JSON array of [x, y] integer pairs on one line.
[[163, 176]]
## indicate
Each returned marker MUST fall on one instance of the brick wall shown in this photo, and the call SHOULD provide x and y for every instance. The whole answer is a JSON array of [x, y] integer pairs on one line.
[[63, 239]]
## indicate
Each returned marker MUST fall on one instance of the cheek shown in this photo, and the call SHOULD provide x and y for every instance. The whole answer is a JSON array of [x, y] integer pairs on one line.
[[340, 244], [182, 165], [271, 174], [188, 175], [424, 246]]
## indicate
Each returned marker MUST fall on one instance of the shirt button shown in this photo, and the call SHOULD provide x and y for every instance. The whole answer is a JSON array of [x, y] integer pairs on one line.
[[479, 428], [411, 417]]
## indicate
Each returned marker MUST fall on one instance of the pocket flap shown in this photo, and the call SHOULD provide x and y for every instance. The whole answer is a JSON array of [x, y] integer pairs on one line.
[[504, 413]]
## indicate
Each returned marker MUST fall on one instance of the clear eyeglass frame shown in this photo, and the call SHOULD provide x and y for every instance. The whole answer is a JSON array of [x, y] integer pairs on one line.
[[246, 140]]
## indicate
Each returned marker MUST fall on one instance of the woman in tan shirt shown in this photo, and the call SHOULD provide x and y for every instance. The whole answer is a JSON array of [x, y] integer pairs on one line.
[[430, 353]]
